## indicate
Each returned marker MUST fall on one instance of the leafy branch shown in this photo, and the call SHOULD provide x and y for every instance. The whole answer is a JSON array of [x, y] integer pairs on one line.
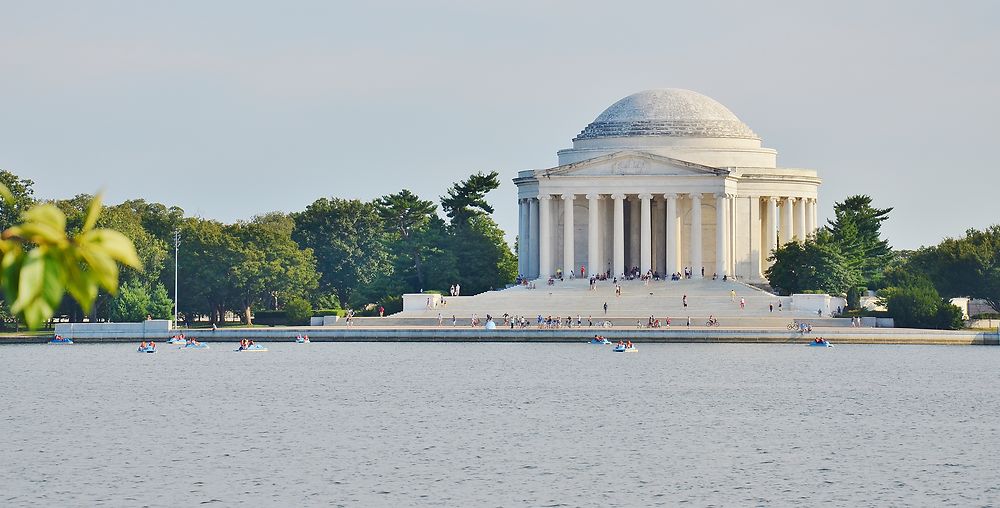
[[41, 261]]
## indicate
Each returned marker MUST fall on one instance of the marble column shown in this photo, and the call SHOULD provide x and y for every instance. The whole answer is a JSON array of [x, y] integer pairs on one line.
[[721, 227], [672, 240], [522, 237], [658, 232], [619, 240], [732, 229], [594, 263], [633, 233], [813, 216], [533, 238], [544, 236], [785, 231], [772, 226], [755, 242], [800, 219], [569, 263], [696, 263], [645, 234]]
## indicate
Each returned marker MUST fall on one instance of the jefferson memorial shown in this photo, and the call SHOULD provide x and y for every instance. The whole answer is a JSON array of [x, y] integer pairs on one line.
[[663, 180]]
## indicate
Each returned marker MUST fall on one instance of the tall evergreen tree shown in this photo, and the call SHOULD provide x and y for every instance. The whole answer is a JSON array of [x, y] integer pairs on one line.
[[857, 228], [483, 258], [406, 218]]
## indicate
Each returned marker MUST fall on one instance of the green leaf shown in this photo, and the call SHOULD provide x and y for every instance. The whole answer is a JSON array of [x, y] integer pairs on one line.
[[53, 283], [113, 244], [102, 268], [37, 313], [30, 281], [6, 194], [93, 211], [10, 266], [48, 215]]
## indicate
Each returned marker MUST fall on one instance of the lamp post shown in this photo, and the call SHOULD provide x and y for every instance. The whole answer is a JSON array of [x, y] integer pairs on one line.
[[177, 245]]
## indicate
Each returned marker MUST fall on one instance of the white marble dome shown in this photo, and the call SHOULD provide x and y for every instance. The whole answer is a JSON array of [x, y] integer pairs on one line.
[[672, 112]]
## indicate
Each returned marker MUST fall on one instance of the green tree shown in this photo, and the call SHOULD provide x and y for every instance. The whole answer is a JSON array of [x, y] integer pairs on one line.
[[159, 220], [406, 219], [270, 264], [131, 304], [482, 258], [857, 229], [918, 305], [348, 240], [22, 196], [964, 267], [815, 264], [205, 277], [468, 197], [160, 304]]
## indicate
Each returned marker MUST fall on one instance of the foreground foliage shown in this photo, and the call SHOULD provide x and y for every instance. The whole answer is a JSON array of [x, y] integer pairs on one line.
[[41, 261]]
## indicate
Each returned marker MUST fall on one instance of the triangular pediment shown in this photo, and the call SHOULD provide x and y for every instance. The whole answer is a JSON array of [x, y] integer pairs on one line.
[[632, 162]]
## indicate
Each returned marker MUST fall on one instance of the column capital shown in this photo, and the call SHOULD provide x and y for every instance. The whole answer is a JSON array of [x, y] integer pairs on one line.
[[773, 199], [694, 196], [670, 196], [720, 195], [618, 196], [645, 196], [593, 197], [546, 197], [568, 196]]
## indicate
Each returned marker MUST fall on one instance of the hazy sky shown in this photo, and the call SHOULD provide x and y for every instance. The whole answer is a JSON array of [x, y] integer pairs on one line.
[[233, 108]]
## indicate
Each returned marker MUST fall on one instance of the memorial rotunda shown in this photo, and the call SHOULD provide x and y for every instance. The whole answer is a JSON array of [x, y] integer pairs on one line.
[[663, 180]]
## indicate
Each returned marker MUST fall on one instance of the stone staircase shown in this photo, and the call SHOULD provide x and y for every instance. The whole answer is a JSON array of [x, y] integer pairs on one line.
[[661, 299]]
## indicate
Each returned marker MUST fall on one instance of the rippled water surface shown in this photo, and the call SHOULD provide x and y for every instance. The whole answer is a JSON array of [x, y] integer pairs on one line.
[[500, 425]]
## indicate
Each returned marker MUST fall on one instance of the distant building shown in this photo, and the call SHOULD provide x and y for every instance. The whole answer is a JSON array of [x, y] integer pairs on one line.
[[662, 180]]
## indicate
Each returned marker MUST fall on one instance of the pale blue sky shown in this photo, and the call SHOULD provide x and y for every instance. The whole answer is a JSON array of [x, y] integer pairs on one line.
[[232, 108]]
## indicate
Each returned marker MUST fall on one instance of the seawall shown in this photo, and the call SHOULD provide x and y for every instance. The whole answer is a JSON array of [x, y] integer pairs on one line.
[[836, 335]]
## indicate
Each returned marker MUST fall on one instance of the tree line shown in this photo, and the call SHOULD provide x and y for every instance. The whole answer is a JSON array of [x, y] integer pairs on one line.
[[336, 253], [849, 256]]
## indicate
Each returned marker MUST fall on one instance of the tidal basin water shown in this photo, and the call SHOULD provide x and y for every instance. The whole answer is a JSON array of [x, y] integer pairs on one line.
[[393, 424]]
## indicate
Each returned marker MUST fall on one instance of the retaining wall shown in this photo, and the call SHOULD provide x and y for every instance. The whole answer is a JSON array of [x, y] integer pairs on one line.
[[468, 334]]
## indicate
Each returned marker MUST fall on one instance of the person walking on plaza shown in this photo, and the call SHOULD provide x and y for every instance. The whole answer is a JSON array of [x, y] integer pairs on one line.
[[605, 308], [732, 295], [770, 307], [684, 300], [743, 303]]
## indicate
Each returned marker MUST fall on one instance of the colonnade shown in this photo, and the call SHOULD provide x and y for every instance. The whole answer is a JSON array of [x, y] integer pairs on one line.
[[746, 229]]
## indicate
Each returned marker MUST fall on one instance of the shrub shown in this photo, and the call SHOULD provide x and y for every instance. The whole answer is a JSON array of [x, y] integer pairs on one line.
[[920, 306], [270, 317], [298, 311]]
